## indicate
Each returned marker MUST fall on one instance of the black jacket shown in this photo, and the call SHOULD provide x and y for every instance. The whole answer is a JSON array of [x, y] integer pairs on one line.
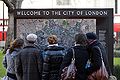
[[104, 54], [81, 57], [95, 58], [53, 57]]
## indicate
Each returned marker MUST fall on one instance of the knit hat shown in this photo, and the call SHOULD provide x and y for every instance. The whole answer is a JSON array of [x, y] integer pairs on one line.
[[31, 37], [91, 35]]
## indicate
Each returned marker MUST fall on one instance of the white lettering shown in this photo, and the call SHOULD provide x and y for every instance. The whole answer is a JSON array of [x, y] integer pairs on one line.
[[68, 12], [79, 12], [56, 13], [96, 13], [29, 13]]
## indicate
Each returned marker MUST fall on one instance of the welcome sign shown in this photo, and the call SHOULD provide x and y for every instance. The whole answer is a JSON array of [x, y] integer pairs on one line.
[[61, 12], [47, 13]]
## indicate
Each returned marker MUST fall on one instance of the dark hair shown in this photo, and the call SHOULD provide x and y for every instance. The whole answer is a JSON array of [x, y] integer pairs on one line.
[[91, 35], [81, 38], [17, 43], [52, 39]]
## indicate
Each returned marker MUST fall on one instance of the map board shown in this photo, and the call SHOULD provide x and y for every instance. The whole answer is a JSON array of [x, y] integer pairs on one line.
[[65, 23]]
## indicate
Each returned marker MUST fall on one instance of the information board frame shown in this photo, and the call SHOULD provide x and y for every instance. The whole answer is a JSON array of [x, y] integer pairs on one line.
[[104, 21]]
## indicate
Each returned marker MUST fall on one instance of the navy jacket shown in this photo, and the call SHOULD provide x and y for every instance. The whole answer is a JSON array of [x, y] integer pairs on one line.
[[53, 56], [104, 54]]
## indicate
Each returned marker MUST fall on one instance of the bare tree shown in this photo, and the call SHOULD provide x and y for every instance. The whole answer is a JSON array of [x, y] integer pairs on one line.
[[11, 4]]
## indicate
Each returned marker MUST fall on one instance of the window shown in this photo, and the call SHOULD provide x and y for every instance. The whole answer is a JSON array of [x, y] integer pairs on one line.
[[63, 2], [116, 6]]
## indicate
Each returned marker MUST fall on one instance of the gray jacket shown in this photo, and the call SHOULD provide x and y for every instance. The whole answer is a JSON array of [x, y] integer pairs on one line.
[[9, 61], [29, 63]]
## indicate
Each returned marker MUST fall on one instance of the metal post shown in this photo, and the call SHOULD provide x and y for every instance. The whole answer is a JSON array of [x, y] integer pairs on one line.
[[3, 23], [116, 6]]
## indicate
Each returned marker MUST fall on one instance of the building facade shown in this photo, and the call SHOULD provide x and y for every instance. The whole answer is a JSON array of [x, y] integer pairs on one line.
[[3, 23]]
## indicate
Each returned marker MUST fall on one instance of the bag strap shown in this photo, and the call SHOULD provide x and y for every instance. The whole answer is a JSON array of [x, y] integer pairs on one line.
[[73, 58], [100, 52]]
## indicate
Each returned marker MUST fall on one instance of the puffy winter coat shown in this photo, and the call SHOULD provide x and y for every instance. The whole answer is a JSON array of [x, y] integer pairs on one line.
[[53, 56]]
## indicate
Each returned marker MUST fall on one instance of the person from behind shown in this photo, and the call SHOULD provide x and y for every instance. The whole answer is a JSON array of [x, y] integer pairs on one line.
[[93, 41], [53, 56], [29, 61], [9, 59], [81, 56]]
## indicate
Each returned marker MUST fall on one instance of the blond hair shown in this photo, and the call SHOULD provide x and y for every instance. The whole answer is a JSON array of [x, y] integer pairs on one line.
[[52, 39]]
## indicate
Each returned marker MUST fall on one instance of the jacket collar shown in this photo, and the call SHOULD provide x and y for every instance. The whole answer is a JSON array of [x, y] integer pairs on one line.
[[30, 46], [52, 45]]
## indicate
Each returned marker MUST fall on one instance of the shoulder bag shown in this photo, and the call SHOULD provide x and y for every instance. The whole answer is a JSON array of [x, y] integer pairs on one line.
[[100, 74], [68, 73]]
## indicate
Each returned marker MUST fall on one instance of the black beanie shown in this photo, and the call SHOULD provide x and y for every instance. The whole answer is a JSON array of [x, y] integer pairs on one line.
[[91, 35]]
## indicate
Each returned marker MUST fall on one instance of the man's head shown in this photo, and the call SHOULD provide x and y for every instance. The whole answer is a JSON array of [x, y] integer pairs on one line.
[[31, 38], [91, 35]]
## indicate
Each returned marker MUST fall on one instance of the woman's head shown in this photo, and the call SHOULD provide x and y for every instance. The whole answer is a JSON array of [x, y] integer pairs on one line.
[[52, 39], [17, 43], [81, 38]]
